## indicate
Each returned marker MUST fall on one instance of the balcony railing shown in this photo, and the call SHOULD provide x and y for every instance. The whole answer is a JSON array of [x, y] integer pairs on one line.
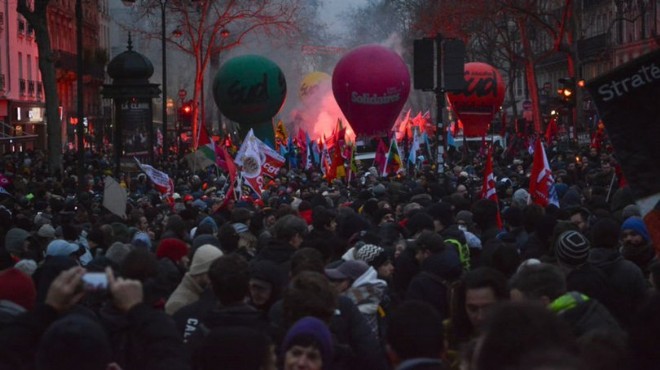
[[31, 88], [21, 86]]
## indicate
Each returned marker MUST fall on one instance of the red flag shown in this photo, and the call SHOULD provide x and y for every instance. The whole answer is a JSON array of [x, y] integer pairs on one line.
[[488, 189], [380, 158], [551, 130], [541, 182], [231, 169], [337, 169]]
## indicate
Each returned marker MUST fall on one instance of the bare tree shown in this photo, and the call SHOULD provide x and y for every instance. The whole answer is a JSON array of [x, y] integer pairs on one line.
[[36, 16], [210, 27]]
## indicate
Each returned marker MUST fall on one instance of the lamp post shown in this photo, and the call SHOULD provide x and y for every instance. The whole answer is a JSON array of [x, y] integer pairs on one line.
[[80, 128], [163, 3]]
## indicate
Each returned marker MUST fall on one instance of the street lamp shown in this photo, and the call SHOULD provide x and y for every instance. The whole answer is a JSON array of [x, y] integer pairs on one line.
[[163, 4]]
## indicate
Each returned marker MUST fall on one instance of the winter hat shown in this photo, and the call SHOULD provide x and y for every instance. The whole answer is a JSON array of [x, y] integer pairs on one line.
[[520, 198], [629, 211], [208, 222], [74, 342], [465, 216], [26, 266], [200, 204], [118, 252], [141, 240], [14, 240], [240, 227], [379, 190], [310, 329], [172, 248], [60, 247], [17, 287], [203, 258], [46, 231], [347, 270], [637, 225], [572, 248], [372, 254]]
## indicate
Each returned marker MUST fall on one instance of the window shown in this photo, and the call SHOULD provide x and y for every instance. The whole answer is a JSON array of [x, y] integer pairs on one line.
[[29, 67], [20, 65], [21, 27]]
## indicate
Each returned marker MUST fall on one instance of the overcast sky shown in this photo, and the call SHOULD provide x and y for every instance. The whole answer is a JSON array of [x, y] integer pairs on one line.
[[332, 9]]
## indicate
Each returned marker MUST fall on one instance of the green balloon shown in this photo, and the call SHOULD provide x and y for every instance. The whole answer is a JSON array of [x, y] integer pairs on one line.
[[249, 89]]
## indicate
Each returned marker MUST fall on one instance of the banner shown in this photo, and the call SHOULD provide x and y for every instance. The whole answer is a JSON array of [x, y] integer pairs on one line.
[[161, 180], [627, 102], [114, 197]]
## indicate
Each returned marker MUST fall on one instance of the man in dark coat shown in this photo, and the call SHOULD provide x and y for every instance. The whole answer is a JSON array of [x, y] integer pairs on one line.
[[288, 234], [546, 283], [625, 281]]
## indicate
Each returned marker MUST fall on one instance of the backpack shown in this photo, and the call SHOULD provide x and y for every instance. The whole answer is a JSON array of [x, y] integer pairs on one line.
[[463, 252]]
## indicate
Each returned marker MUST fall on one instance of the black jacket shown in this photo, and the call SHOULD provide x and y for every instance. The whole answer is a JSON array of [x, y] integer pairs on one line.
[[588, 315], [432, 284], [279, 252], [161, 347], [625, 282], [356, 346]]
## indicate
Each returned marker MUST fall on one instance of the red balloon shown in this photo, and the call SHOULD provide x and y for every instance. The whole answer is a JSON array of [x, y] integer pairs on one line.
[[371, 83], [476, 106]]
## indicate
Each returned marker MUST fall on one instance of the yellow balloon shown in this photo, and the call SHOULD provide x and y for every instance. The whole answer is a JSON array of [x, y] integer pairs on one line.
[[311, 83]]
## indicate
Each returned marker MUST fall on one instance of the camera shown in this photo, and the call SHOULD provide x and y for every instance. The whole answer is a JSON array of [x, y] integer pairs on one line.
[[95, 281]]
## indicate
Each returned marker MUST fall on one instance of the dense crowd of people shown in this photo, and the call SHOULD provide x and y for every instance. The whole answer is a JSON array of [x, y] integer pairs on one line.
[[408, 271]]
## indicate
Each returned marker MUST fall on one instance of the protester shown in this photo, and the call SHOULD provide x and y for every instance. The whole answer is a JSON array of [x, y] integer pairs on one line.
[[237, 268]]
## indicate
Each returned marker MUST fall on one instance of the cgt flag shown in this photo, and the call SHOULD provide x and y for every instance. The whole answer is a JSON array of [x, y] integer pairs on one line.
[[627, 102], [488, 189], [541, 182]]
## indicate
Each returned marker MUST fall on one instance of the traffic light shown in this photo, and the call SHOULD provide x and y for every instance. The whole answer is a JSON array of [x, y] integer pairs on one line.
[[185, 116], [567, 91]]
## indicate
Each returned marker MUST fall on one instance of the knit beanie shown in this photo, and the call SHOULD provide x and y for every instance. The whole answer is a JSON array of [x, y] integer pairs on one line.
[[172, 248], [46, 231], [17, 287], [465, 216], [372, 254], [203, 258], [14, 240], [637, 225], [629, 211], [306, 328], [520, 198], [572, 248]]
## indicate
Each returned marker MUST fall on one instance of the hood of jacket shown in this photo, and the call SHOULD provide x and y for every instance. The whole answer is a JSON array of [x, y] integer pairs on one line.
[[604, 257], [445, 264]]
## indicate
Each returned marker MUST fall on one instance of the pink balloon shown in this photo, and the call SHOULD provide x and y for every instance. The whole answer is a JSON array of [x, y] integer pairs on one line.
[[371, 84]]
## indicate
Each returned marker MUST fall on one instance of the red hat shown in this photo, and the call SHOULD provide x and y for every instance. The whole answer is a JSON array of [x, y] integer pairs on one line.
[[172, 248], [17, 287], [188, 198]]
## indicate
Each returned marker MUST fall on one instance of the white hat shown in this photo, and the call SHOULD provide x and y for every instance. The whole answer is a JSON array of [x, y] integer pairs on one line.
[[203, 258]]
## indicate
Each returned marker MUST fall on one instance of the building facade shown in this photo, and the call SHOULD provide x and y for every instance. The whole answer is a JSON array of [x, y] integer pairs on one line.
[[22, 125]]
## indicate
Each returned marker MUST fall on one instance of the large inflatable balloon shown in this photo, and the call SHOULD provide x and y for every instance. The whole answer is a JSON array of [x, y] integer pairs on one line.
[[477, 105], [371, 83], [311, 83], [250, 90]]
